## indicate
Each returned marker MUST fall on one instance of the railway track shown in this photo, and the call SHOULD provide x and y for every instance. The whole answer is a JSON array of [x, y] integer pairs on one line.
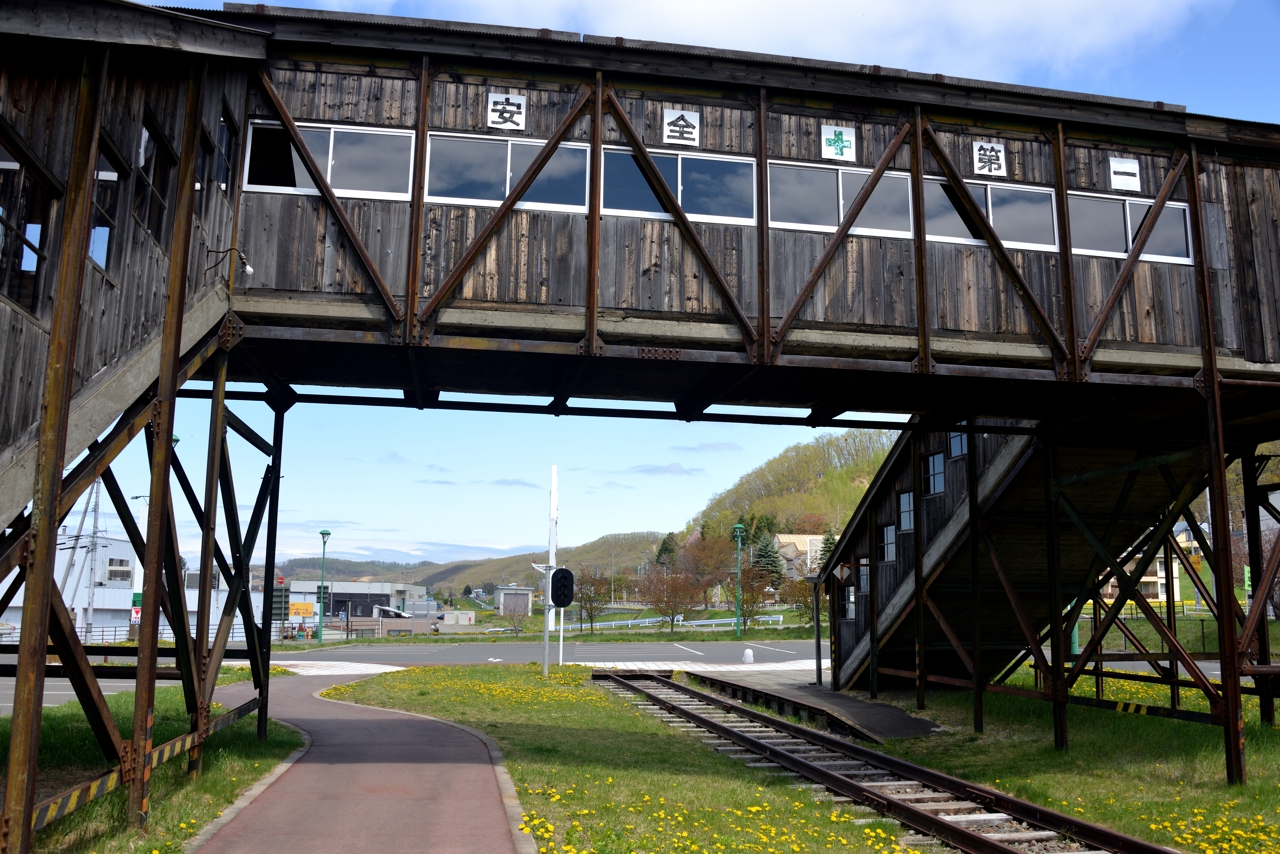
[[939, 808]]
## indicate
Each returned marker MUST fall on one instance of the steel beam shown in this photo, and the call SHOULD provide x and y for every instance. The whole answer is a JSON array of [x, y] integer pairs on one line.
[[920, 247], [417, 211], [1262, 573], [51, 443], [162, 425], [763, 278], [591, 344], [1066, 262], [1233, 712], [269, 569], [917, 559], [1054, 682], [975, 576]]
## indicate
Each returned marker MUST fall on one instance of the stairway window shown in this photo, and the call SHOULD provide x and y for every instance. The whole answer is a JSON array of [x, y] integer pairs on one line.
[[959, 443], [906, 511], [935, 479], [887, 544], [864, 575]]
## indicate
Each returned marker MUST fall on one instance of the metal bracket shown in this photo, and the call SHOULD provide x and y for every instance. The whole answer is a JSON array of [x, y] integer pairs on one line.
[[231, 332], [662, 353], [916, 367], [1201, 385], [126, 762], [596, 350]]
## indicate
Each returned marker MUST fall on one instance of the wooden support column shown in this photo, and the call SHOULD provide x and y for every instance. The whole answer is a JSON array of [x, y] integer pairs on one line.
[[917, 559], [1097, 679], [591, 344], [1055, 684], [51, 446], [975, 575], [162, 455], [924, 358], [269, 562], [1258, 580], [763, 354], [1229, 659], [1170, 618]]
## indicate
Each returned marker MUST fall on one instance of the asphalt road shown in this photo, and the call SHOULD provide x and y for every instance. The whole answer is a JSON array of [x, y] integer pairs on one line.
[[57, 691], [698, 652]]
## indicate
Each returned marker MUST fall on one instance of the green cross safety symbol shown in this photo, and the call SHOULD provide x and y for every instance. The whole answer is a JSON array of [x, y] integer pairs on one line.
[[838, 143]]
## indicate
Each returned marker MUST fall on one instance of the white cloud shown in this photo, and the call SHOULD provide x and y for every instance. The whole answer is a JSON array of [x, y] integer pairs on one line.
[[995, 40]]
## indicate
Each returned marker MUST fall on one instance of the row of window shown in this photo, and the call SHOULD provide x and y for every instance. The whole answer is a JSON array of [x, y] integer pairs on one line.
[[362, 163], [23, 210], [934, 484]]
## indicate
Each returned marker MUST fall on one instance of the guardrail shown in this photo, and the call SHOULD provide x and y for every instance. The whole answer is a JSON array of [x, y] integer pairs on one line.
[[680, 621]]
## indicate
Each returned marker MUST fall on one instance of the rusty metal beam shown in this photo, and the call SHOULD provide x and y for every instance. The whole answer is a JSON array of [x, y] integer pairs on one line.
[[321, 180], [763, 276], [499, 216], [1131, 260], [975, 588], [417, 204], [917, 559], [51, 442], [1024, 622], [1054, 682], [208, 536], [1262, 577], [162, 425], [952, 638], [920, 248], [76, 668], [672, 206], [837, 240], [269, 571], [1066, 262], [1229, 661], [591, 343], [978, 219]]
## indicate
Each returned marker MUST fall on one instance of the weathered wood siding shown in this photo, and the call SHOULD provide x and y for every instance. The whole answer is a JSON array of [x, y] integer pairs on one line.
[[122, 306]]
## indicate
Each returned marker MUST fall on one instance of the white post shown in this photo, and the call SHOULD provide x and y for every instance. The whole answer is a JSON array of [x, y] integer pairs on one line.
[[547, 611], [561, 661]]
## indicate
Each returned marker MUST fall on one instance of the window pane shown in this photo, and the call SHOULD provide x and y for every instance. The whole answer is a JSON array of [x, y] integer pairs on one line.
[[940, 215], [30, 260], [99, 240], [371, 162], [1097, 224], [317, 142], [625, 188], [803, 196], [889, 207], [563, 181], [1022, 216], [717, 188], [274, 163], [1170, 234], [468, 169]]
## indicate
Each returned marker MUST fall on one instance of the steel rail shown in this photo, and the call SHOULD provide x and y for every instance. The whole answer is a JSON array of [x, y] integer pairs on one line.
[[1081, 831]]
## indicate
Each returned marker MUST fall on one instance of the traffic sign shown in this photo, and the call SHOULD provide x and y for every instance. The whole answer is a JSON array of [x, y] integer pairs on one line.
[[562, 588], [135, 619]]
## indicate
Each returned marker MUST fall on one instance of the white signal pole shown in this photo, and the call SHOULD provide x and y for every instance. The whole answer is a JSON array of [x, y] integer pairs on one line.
[[547, 611]]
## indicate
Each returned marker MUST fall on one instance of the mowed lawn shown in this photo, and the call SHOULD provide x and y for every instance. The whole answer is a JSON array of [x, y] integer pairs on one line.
[[1153, 778], [595, 774]]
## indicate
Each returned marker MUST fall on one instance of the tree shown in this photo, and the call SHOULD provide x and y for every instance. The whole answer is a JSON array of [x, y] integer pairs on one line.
[[829, 543], [488, 587], [707, 560], [754, 582], [799, 594], [668, 549], [669, 593], [591, 592], [466, 591], [767, 559]]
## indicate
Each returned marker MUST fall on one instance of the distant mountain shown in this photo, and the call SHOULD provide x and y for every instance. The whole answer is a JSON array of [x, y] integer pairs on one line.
[[338, 569]]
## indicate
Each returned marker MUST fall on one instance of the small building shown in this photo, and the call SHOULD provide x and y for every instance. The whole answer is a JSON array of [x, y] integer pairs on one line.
[[358, 598], [513, 600], [800, 553], [459, 618]]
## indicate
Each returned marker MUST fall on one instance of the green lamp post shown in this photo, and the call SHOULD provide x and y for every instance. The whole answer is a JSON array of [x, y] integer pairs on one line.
[[739, 531], [320, 597]]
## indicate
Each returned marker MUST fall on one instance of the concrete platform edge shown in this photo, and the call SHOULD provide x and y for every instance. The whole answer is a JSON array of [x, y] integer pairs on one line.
[[211, 829], [510, 800]]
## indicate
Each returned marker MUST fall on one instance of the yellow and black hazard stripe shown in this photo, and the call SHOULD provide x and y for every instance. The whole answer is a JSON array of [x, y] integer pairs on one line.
[[59, 805]]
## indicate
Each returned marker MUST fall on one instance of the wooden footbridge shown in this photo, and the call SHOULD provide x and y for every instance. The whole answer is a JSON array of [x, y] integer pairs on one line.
[[1085, 289]]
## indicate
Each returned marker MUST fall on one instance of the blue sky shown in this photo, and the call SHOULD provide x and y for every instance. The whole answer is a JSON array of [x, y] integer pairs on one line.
[[405, 485]]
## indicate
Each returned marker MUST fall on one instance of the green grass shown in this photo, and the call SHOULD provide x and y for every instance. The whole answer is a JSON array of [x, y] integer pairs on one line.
[[1156, 779], [595, 774], [233, 760]]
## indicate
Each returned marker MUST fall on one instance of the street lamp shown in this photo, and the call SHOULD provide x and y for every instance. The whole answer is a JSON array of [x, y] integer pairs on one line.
[[739, 530], [324, 542]]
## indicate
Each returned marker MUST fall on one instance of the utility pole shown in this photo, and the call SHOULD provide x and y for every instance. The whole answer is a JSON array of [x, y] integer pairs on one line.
[[548, 614], [93, 564]]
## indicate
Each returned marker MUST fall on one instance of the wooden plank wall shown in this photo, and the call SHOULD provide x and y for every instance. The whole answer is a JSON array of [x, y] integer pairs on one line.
[[538, 258], [123, 306]]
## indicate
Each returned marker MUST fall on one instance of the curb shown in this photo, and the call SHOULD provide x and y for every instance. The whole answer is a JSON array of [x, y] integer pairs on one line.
[[212, 828], [524, 842]]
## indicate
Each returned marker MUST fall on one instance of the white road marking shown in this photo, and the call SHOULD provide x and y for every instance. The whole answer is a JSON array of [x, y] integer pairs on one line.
[[686, 649], [703, 668], [774, 648], [495, 659]]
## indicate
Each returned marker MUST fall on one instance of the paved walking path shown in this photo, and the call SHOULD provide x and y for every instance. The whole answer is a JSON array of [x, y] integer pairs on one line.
[[373, 781]]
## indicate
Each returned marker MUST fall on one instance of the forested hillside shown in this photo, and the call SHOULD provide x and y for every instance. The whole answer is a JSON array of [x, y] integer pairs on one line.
[[805, 489]]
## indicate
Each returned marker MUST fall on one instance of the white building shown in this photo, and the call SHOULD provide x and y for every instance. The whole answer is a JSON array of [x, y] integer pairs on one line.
[[101, 582], [513, 600], [358, 598]]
